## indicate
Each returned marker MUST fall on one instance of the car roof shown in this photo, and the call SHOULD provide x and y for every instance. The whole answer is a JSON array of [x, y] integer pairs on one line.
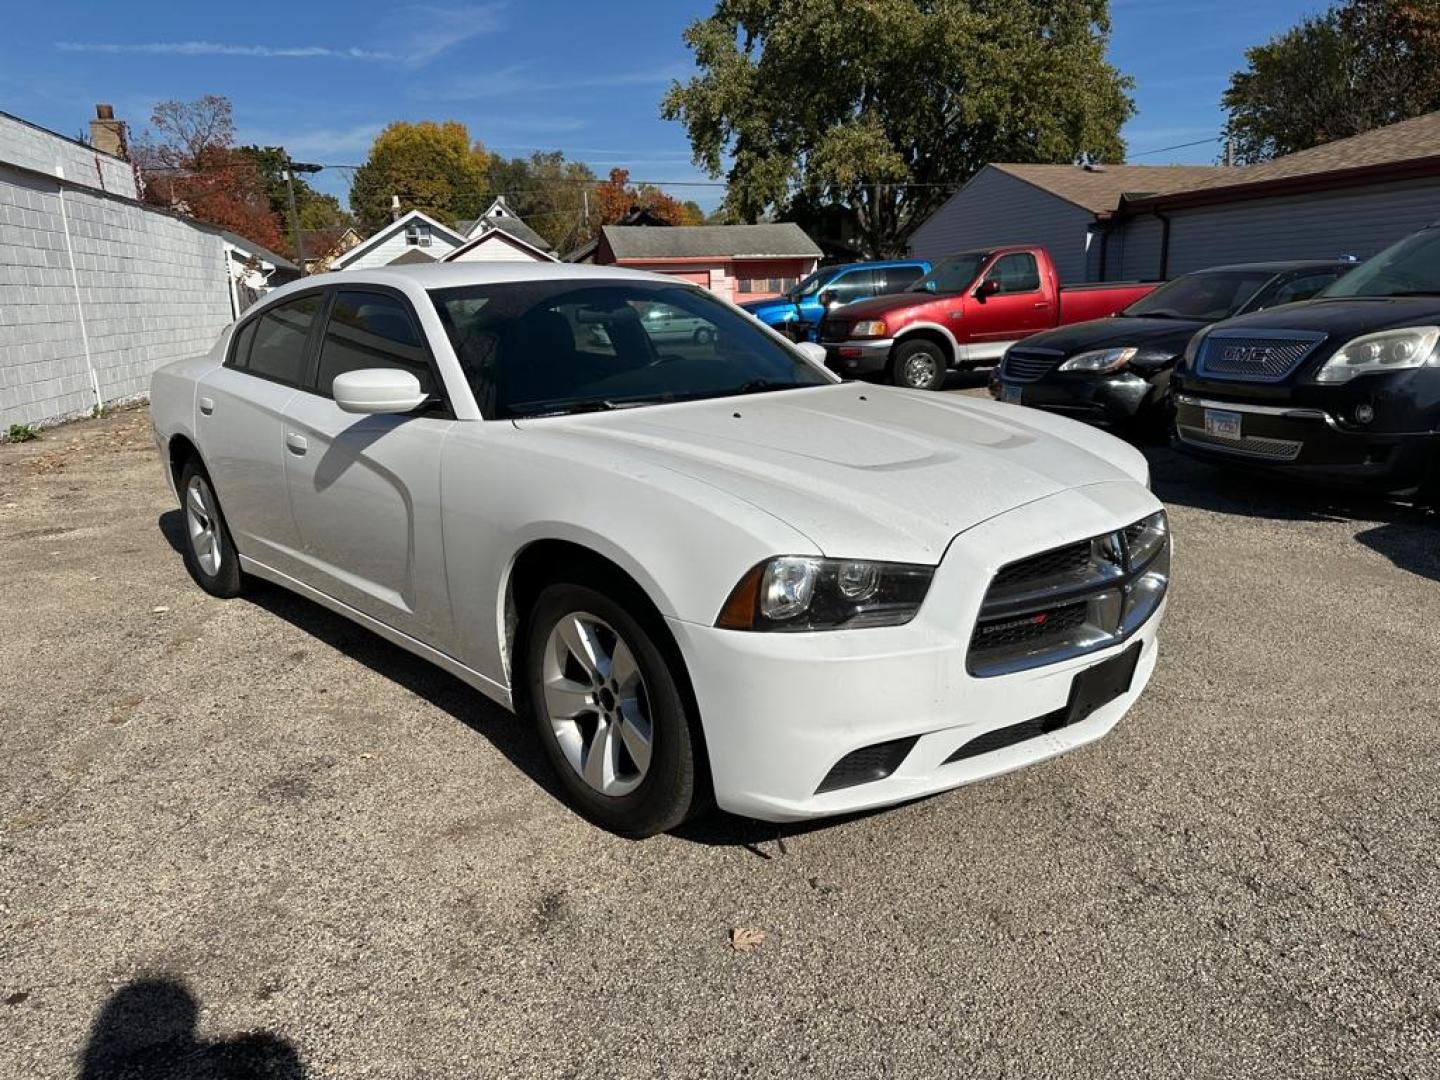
[[1280, 266]]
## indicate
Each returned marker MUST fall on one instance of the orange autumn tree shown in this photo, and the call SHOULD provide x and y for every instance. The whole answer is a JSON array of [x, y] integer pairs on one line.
[[617, 197], [189, 163]]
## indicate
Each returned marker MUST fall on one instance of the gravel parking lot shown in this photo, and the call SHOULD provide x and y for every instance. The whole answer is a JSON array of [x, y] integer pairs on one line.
[[249, 835]]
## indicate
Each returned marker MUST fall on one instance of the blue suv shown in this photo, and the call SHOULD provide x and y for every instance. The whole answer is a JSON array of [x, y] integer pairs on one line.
[[798, 312]]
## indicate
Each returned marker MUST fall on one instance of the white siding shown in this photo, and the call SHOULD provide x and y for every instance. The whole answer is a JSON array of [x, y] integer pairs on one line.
[[140, 288], [996, 208], [392, 247], [41, 150], [1323, 225], [495, 249]]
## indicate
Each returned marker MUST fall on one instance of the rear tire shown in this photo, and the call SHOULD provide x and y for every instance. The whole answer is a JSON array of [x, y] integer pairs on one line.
[[609, 711], [918, 365], [209, 551]]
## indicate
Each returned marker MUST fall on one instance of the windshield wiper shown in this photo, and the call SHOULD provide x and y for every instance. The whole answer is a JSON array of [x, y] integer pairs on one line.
[[761, 386], [590, 405]]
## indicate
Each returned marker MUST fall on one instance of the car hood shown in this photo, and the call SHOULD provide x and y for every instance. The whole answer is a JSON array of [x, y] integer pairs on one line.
[[1154, 335], [879, 305], [1344, 317], [765, 310], [862, 471]]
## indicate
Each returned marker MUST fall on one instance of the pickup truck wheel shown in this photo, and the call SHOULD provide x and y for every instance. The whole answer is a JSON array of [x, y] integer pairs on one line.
[[609, 712], [209, 551], [918, 365]]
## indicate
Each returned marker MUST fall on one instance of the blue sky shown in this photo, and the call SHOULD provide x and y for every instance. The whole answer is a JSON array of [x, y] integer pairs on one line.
[[322, 77]]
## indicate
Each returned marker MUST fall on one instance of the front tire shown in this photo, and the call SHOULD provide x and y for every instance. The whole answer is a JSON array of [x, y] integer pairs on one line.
[[609, 712], [209, 551], [918, 365]]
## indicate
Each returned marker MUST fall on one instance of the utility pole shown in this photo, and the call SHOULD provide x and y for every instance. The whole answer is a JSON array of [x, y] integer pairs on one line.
[[291, 168]]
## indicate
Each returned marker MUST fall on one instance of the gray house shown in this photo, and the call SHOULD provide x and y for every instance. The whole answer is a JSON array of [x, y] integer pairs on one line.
[[1058, 206], [1117, 222]]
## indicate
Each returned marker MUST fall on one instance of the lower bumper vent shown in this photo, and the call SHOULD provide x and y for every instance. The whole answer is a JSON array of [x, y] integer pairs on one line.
[[868, 764]]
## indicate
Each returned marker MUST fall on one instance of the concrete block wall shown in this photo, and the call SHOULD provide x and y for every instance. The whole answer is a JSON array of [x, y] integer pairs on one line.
[[146, 288], [35, 148]]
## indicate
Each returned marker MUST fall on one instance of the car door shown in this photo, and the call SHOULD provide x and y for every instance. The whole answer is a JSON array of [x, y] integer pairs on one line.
[[239, 423], [1019, 308], [851, 286], [365, 489]]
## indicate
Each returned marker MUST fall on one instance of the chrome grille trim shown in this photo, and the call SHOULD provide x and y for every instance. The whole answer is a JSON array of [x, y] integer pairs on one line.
[[1070, 607], [1026, 364], [1251, 446], [1264, 356]]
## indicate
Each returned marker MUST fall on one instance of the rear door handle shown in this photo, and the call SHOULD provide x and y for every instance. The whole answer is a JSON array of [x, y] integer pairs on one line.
[[296, 444], [207, 405], [1042, 303]]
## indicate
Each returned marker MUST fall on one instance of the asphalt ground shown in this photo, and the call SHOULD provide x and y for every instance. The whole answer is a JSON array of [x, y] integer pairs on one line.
[[247, 838]]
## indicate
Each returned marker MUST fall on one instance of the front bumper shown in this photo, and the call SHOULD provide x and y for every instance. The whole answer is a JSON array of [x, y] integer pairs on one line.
[[865, 356], [1306, 442], [781, 710], [1110, 400]]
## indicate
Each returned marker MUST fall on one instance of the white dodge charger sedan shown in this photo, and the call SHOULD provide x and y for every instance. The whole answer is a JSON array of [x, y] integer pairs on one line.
[[697, 564]]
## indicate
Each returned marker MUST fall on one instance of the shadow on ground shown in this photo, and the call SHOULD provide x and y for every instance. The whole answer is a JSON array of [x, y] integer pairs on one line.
[[147, 1031]]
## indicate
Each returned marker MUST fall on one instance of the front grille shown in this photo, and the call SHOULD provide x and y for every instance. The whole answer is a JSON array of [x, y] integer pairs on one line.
[[1071, 600], [1028, 364], [1074, 559], [1251, 446], [833, 331], [1254, 356], [1000, 738]]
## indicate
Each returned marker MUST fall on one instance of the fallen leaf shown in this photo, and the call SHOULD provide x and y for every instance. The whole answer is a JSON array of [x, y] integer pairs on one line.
[[746, 939]]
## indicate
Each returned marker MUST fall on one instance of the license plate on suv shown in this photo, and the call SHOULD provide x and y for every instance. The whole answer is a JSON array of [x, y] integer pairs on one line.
[[1222, 423], [1011, 394]]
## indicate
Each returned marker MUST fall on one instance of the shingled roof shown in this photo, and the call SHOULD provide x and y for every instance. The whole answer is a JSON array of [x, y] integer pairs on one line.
[[1099, 188], [781, 240]]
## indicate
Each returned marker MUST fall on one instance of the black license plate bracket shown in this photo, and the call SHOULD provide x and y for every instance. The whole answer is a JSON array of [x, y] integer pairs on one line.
[[1098, 685]]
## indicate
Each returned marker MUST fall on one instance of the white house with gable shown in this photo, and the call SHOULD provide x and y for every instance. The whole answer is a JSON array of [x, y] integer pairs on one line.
[[495, 236]]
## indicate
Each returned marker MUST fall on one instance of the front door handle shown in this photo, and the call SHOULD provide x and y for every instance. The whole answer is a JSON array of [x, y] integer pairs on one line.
[[207, 405], [1042, 303], [296, 444]]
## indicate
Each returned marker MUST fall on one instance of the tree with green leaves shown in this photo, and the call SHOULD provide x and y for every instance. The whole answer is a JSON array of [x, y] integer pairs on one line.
[[548, 193], [316, 210], [432, 167], [887, 106], [1359, 65]]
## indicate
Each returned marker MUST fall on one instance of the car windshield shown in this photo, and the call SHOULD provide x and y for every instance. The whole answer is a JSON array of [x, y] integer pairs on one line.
[[1205, 297], [952, 275], [1408, 268], [811, 285], [543, 348]]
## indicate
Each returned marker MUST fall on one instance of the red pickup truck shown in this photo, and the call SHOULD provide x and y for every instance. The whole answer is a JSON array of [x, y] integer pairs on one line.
[[964, 313]]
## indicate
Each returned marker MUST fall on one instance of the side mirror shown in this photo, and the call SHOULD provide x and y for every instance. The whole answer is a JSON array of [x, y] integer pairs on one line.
[[988, 287], [828, 298], [377, 390], [812, 351]]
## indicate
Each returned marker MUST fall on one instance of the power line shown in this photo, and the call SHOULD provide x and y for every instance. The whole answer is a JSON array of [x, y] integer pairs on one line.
[[1179, 146]]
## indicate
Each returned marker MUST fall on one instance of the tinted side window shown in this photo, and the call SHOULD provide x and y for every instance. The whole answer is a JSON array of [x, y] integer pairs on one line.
[[240, 349], [277, 349], [900, 278], [853, 285], [1300, 288], [1016, 272], [372, 330]]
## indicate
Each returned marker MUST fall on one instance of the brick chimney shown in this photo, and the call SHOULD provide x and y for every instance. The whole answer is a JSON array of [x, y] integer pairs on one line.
[[108, 134]]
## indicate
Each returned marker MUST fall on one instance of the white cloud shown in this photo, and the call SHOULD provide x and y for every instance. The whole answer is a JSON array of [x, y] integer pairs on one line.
[[524, 79], [420, 34]]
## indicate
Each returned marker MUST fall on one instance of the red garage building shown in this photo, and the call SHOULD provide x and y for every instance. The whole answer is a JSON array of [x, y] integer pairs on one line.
[[738, 262]]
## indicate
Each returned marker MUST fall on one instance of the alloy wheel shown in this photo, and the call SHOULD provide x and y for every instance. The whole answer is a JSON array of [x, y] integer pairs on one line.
[[204, 528], [920, 369], [596, 699]]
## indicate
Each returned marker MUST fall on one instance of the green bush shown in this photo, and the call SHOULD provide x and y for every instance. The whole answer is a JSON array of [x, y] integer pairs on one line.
[[21, 433]]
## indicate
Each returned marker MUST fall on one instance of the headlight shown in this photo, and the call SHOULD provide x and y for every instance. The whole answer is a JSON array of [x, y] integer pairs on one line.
[[793, 592], [869, 328], [1100, 361], [1389, 350]]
